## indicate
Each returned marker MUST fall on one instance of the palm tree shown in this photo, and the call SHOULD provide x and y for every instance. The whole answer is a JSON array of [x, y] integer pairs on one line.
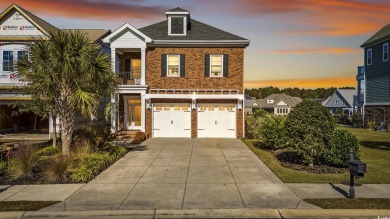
[[71, 71]]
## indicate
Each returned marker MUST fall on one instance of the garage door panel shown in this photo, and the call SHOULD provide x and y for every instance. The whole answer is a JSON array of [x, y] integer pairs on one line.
[[171, 120], [216, 121]]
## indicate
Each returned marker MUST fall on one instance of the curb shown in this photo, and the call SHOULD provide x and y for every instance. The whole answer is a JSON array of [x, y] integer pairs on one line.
[[208, 213]]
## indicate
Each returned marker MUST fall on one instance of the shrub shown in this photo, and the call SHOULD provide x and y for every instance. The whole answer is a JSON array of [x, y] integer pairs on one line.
[[260, 113], [371, 125], [3, 168], [309, 128], [95, 135], [341, 143], [25, 159], [89, 167], [82, 151], [49, 151], [273, 133], [253, 127], [139, 137], [357, 119], [117, 152], [57, 169]]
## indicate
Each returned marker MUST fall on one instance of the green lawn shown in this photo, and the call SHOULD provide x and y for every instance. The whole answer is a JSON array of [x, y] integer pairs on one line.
[[347, 203], [375, 151]]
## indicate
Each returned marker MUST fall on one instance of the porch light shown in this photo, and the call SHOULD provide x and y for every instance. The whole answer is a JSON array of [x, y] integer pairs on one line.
[[193, 104], [147, 103], [239, 104]]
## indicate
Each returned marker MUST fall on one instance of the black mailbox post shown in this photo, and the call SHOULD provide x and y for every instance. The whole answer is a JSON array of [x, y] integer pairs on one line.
[[356, 169]]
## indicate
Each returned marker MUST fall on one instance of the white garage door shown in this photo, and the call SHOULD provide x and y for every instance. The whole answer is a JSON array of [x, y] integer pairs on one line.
[[216, 121], [172, 120]]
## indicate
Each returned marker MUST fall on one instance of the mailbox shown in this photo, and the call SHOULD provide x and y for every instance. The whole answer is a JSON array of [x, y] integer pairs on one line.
[[357, 168]]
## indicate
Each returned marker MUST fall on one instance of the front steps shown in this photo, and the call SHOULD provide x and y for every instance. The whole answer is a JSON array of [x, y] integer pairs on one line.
[[126, 135]]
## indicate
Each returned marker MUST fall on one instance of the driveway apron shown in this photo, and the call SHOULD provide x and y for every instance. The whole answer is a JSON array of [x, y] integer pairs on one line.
[[178, 173]]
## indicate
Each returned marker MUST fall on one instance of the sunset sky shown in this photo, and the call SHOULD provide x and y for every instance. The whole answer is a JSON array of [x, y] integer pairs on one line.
[[294, 43]]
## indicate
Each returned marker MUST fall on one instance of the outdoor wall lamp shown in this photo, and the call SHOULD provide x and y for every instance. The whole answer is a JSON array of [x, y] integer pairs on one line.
[[239, 104], [148, 105]]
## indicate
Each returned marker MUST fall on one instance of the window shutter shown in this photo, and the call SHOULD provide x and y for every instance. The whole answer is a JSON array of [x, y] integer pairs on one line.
[[182, 65], [163, 65], [225, 65], [207, 66]]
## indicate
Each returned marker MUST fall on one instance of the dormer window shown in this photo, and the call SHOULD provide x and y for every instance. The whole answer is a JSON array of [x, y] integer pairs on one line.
[[177, 25], [270, 101], [178, 20]]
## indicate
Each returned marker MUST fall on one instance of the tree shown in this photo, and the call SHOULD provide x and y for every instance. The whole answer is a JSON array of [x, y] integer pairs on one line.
[[71, 70], [309, 128]]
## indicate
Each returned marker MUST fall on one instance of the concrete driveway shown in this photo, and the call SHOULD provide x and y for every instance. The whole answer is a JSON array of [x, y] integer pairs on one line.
[[185, 174]]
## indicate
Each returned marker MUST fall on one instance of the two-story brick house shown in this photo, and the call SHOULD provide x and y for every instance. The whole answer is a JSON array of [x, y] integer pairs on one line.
[[178, 78], [377, 77]]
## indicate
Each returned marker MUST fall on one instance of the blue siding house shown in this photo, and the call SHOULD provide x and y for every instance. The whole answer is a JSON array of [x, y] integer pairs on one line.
[[341, 99]]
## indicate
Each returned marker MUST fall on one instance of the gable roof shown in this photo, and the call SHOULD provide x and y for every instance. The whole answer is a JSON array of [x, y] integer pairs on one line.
[[42, 25], [249, 102], [381, 35], [178, 9], [197, 31], [347, 95], [123, 28], [277, 98]]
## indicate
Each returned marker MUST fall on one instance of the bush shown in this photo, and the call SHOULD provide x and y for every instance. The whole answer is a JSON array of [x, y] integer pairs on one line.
[[3, 168], [371, 125], [57, 169], [82, 151], [49, 151], [309, 128], [273, 133], [260, 113], [88, 168], [357, 119], [341, 143], [25, 159], [117, 152], [139, 137], [95, 135], [253, 126]]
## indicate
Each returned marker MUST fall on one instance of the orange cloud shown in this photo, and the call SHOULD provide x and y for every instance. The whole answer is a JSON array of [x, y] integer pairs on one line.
[[325, 51], [316, 17], [305, 83], [103, 10]]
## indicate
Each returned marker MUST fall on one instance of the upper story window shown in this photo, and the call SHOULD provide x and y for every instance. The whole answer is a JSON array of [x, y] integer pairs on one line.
[[385, 51], [8, 61], [173, 65], [216, 66], [337, 102], [369, 56], [177, 25]]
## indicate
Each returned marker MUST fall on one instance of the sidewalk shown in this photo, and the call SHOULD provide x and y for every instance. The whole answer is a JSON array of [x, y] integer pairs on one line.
[[205, 213]]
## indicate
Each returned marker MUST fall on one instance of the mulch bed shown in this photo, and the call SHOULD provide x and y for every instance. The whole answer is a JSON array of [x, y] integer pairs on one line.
[[292, 160], [25, 205]]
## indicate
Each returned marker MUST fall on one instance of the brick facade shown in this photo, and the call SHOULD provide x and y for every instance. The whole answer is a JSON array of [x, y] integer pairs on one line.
[[194, 128], [195, 69]]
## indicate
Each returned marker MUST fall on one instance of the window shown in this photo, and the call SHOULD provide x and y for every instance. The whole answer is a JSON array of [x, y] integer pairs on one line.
[[21, 55], [369, 56], [385, 51], [173, 65], [337, 102], [216, 63], [177, 25], [230, 107], [8, 61]]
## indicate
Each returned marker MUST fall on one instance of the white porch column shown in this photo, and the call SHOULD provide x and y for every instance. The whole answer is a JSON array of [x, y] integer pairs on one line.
[[143, 112], [143, 66], [113, 113], [113, 61]]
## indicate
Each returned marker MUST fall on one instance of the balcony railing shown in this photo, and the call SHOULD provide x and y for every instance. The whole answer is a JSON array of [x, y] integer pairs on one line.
[[129, 78]]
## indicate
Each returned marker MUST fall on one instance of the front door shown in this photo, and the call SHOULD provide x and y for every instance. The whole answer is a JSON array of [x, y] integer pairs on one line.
[[133, 114]]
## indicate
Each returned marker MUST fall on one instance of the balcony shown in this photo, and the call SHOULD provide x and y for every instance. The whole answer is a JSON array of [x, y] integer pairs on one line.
[[129, 78]]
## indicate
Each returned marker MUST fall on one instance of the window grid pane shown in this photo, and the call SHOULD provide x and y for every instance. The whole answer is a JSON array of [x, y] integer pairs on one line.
[[8, 60], [216, 65], [173, 65]]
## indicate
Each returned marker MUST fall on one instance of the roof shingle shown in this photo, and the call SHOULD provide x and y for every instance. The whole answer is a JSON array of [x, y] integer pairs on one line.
[[382, 34]]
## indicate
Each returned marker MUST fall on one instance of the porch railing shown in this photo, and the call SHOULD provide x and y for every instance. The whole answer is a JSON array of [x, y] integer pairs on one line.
[[129, 78]]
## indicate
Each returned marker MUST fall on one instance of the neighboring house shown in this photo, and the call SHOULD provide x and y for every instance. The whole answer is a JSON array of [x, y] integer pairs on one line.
[[279, 104], [377, 77], [359, 103], [178, 78], [342, 99], [18, 28], [249, 104]]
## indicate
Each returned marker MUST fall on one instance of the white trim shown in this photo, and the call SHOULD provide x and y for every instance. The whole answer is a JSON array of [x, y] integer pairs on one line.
[[108, 38], [173, 13], [173, 76], [212, 76], [369, 50], [126, 121], [184, 26], [377, 104], [203, 42], [195, 96], [383, 51], [143, 66]]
